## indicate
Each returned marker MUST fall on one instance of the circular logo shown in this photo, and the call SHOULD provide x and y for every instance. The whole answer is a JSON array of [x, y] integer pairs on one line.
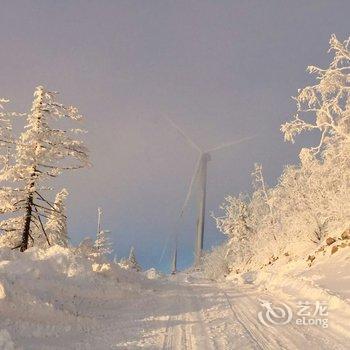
[[274, 314]]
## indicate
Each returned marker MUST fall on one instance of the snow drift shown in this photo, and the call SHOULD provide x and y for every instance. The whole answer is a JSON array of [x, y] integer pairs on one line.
[[55, 297]]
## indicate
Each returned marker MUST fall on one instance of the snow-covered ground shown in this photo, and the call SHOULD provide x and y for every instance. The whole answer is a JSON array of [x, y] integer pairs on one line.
[[55, 299]]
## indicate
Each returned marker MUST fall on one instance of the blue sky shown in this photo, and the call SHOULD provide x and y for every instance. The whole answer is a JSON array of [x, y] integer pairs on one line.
[[221, 69]]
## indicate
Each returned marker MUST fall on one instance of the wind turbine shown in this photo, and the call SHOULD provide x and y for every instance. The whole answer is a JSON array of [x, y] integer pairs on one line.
[[200, 174]]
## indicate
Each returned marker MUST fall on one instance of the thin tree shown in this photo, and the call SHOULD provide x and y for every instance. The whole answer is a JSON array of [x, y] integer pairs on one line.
[[259, 184], [43, 152], [132, 261], [103, 244]]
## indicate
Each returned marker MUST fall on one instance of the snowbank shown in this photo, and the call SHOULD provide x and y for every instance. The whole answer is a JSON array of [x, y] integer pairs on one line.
[[153, 274], [49, 297], [295, 280]]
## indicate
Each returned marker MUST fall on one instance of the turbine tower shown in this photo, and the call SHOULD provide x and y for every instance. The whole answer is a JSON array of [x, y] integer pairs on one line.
[[174, 262], [202, 179], [199, 175]]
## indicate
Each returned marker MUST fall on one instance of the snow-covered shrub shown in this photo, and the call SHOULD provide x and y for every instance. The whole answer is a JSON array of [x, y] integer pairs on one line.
[[215, 263], [153, 274], [86, 248]]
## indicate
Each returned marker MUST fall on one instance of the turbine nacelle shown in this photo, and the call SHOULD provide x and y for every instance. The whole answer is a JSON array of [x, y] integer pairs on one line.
[[205, 157]]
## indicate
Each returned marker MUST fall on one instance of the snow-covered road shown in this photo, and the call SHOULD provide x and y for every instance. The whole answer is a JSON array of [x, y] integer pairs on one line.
[[209, 321], [205, 315], [57, 300]]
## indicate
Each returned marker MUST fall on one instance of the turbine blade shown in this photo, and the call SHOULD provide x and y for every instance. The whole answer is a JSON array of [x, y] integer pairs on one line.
[[164, 249], [189, 192], [183, 134], [228, 144]]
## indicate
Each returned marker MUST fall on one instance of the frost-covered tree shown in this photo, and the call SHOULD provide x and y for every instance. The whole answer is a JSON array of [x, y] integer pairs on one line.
[[260, 187], [103, 244], [6, 137], [325, 106], [323, 183], [6, 145], [132, 261], [215, 263], [86, 248], [237, 225], [56, 225], [311, 198], [43, 152]]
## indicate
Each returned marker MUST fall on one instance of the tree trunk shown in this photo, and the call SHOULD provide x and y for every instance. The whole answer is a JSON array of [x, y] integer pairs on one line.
[[28, 218]]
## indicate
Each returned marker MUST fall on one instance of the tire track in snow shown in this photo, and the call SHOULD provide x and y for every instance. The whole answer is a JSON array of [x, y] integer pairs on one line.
[[174, 335], [265, 337], [223, 340], [256, 339], [204, 330], [188, 331]]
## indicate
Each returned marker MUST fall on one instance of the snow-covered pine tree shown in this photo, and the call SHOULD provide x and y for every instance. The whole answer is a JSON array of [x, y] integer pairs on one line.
[[132, 261], [43, 152], [103, 245], [56, 225]]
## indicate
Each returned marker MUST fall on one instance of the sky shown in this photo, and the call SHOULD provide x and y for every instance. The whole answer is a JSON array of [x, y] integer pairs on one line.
[[222, 70]]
